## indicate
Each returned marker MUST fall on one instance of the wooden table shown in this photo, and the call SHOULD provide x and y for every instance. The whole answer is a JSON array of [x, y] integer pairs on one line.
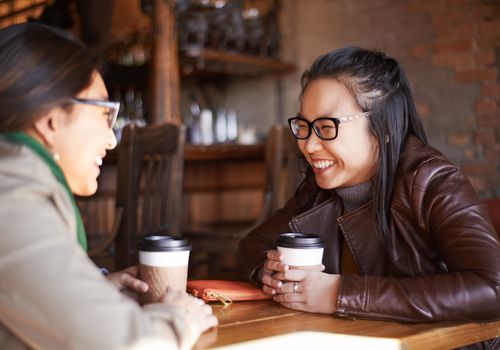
[[250, 321]]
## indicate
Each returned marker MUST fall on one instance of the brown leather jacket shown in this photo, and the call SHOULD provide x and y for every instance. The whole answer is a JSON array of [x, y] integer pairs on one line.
[[443, 261]]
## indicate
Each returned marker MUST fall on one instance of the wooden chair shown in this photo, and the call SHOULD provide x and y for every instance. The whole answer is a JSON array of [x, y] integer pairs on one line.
[[101, 218], [284, 169], [283, 175], [149, 185]]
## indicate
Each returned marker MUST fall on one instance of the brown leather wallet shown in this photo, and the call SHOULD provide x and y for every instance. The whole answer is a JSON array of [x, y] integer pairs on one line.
[[225, 291]]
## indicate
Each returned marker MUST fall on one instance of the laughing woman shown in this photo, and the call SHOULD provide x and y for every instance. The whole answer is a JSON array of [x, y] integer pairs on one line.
[[56, 126], [406, 237]]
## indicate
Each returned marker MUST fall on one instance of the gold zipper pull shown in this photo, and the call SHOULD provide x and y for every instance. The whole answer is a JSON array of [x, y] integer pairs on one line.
[[223, 299]]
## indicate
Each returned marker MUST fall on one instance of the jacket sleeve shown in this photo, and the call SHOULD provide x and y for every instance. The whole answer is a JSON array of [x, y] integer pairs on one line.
[[447, 213], [253, 248], [53, 297]]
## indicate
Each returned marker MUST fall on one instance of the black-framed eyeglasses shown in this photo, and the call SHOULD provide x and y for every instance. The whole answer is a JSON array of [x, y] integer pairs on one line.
[[327, 128], [112, 108]]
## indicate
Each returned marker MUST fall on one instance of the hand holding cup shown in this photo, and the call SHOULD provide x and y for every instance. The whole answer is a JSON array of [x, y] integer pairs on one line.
[[295, 251], [304, 286]]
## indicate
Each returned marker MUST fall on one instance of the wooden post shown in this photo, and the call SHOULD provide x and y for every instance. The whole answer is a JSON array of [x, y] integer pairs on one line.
[[164, 78]]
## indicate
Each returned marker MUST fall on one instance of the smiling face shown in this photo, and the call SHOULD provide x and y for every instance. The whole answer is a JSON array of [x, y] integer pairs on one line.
[[352, 157], [82, 139]]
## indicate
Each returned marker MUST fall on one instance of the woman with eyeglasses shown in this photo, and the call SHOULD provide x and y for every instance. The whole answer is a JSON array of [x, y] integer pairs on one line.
[[406, 237], [55, 128]]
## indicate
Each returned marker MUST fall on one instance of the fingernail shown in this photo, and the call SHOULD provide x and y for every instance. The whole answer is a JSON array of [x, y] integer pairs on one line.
[[279, 285], [273, 292]]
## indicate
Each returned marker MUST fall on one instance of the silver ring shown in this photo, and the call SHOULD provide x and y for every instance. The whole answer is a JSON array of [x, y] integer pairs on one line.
[[295, 287]]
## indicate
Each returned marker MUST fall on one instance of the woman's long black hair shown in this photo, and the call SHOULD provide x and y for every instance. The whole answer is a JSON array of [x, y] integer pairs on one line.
[[380, 86]]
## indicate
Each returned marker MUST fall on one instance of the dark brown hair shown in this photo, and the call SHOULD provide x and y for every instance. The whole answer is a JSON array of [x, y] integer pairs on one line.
[[40, 67]]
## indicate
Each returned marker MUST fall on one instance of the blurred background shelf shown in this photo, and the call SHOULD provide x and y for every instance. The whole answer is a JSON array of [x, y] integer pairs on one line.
[[207, 62]]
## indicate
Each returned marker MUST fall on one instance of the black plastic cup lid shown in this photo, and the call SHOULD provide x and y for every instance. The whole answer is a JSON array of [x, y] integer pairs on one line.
[[300, 241], [163, 244]]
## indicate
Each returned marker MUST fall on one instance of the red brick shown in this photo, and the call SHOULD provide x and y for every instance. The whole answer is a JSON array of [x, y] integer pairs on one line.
[[423, 109], [465, 76], [456, 4], [424, 6], [485, 136], [486, 106], [487, 120], [492, 152], [495, 10], [453, 46], [481, 10], [485, 57], [452, 14], [490, 90], [454, 60], [470, 153], [458, 138], [415, 9], [479, 168], [486, 42], [446, 30], [490, 27], [478, 182], [420, 50], [491, 155]]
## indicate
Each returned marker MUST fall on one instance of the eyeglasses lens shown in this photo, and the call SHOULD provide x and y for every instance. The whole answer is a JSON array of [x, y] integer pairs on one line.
[[300, 128], [113, 114], [324, 128]]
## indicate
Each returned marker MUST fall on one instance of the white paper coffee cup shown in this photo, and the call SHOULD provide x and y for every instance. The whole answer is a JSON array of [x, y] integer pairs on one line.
[[301, 250]]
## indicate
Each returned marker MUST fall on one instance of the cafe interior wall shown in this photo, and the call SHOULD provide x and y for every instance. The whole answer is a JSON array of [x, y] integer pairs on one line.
[[450, 50]]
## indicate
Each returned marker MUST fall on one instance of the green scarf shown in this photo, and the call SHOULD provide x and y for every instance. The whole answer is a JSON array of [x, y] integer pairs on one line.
[[22, 138]]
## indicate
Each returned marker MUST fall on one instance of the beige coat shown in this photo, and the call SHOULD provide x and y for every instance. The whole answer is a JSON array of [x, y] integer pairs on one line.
[[51, 295]]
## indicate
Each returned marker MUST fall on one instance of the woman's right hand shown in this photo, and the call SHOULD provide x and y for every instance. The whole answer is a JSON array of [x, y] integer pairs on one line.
[[197, 314], [272, 265]]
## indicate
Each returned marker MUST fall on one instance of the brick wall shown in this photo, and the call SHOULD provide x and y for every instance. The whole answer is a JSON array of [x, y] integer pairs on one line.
[[450, 50], [467, 42]]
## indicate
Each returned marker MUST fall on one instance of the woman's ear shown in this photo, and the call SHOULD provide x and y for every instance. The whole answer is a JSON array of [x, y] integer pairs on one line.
[[46, 127]]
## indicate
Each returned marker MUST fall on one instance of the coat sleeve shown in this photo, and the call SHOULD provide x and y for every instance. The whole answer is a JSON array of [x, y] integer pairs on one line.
[[52, 296], [448, 214], [253, 248]]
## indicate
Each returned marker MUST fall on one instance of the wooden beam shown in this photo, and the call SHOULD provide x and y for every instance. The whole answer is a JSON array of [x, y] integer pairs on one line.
[[164, 78]]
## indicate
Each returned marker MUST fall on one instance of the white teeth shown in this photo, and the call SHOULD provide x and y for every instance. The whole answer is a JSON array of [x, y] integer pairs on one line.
[[322, 164], [98, 161]]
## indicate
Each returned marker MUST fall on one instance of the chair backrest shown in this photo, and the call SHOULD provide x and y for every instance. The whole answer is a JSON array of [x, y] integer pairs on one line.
[[149, 185], [283, 168]]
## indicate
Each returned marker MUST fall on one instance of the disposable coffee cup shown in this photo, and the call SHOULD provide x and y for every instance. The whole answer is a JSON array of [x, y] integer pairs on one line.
[[301, 250], [163, 263]]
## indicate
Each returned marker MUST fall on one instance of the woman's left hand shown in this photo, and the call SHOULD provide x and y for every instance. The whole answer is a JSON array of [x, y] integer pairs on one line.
[[310, 291], [127, 282]]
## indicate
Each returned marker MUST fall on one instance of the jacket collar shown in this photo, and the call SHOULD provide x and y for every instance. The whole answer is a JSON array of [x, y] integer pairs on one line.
[[357, 228]]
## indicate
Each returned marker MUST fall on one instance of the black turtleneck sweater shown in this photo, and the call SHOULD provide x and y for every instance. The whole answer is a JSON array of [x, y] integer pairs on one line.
[[353, 197]]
